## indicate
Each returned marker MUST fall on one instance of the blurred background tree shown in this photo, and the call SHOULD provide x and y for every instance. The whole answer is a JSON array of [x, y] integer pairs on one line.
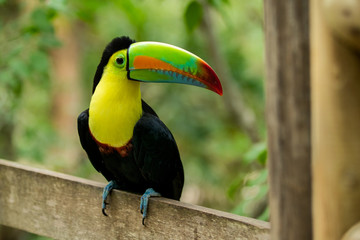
[[49, 54]]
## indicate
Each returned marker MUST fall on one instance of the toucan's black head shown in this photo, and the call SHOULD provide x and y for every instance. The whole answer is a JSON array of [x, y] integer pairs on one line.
[[115, 45]]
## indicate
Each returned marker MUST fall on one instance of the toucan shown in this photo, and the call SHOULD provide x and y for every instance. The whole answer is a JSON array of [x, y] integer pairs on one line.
[[122, 135]]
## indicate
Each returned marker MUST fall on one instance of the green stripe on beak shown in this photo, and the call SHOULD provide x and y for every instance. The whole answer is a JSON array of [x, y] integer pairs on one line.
[[160, 62]]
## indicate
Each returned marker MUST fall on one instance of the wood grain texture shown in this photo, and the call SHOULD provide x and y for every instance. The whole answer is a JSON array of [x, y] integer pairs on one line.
[[66, 207], [288, 118], [336, 126]]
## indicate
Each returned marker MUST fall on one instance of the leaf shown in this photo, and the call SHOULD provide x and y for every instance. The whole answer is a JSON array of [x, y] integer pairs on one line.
[[193, 15], [41, 20], [235, 185], [265, 214], [257, 152], [58, 5]]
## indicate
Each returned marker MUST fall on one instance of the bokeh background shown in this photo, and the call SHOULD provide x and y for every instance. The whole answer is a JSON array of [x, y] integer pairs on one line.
[[49, 51]]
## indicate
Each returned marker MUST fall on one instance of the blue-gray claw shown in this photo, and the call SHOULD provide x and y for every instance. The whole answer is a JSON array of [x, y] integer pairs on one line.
[[145, 201], [110, 186]]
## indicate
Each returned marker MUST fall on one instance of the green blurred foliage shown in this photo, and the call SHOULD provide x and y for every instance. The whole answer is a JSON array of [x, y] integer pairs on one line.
[[193, 15], [24, 70], [223, 168]]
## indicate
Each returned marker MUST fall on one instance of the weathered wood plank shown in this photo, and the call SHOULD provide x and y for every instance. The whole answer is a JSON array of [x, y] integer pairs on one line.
[[288, 118], [66, 207]]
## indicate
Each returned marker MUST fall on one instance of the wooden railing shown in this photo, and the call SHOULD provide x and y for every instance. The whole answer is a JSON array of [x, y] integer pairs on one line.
[[66, 207]]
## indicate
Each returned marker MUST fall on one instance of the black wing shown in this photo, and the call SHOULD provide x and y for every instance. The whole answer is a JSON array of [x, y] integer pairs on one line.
[[89, 145], [147, 109], [157, 156]]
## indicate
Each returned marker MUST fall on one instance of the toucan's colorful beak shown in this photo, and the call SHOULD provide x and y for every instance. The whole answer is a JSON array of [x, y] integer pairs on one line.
[[160, 62]]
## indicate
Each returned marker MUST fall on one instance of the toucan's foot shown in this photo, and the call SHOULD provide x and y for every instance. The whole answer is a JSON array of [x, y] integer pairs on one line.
[[111, 185], [145, 201]]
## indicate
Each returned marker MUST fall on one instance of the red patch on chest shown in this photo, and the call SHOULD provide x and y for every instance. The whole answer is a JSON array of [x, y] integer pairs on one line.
[[107, 149], [123, 151]]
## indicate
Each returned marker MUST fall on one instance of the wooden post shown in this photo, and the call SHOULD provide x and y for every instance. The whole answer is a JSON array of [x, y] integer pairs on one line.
[[288, 118], [335, 44]]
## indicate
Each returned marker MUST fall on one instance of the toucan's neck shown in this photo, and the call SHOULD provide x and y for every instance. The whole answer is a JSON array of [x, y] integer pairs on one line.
[[115, 107]]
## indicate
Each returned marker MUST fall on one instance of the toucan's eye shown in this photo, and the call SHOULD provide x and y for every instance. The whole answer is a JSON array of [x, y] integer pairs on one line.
[[120, 60]]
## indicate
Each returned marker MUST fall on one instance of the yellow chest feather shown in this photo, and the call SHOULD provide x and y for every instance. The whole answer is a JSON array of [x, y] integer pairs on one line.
[[115, 107]]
